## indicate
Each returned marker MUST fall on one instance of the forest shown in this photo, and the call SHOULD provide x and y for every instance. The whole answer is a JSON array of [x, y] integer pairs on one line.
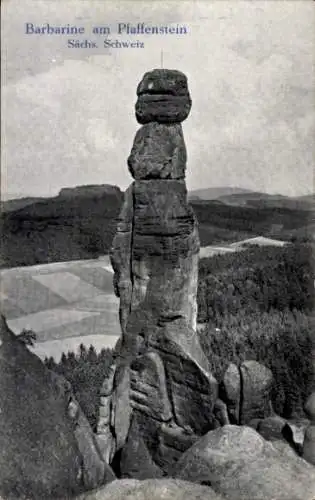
[[257, 304]]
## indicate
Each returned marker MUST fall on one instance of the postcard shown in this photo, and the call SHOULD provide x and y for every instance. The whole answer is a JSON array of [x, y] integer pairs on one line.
[[157, 249]]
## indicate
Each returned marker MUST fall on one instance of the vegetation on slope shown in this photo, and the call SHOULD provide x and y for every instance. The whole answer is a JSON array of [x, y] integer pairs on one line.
[[80, 224], [256, 280], [63, 228], [86, 372], [258, 304]]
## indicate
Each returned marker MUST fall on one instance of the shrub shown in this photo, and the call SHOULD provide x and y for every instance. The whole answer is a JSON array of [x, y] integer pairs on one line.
[[86, 372]]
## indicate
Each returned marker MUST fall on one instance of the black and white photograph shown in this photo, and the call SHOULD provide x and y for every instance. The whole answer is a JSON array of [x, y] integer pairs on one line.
[[157, 250]]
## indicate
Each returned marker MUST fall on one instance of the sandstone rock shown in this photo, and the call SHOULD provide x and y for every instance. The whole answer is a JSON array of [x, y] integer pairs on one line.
[[136, 461], [294, 432], [39, 454], [162, 108], [309, 407], [158, 152], [155, 259], [148, 387], [232, 392], [256, 383], [163, 97], [106, 393], [108, 383], [254, 423], [171, 443], [121, 404], [164, 251], [271, 428], [220, 413], [105, 438], [308, 451], [120, 257], [152, 489], [47, 446], [106, 444], [286, 449], [190, 382], [163, 81], [157, 240], [170, 291], [240, 464], [95, 470], [104, 412], [163, 220]]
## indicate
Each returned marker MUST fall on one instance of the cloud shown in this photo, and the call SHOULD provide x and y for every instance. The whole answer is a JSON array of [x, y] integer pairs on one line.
[[250, 73]]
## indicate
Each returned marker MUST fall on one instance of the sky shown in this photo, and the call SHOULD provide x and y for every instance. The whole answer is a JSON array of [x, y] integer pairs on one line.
[[68, 114]]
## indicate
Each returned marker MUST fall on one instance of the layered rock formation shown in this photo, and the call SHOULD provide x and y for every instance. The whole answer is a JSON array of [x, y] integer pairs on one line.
[[48, 449], [162, 372]]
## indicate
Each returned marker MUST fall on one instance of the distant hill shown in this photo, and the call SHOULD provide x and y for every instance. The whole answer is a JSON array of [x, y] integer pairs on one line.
[[308, 198], [214, 193], [222, 223], [256, 199], [17, 203], [80, 223]]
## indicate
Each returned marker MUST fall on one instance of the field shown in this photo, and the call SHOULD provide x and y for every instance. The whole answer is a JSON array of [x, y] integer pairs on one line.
[[65, 303]]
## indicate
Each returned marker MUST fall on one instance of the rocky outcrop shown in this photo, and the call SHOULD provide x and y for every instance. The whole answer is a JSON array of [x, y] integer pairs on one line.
[[164, 148], [163, 378], [271, 428], [308, 452], [163, 382], [105, 437], [47, 446], [148, 387], [232, 392], [240, 464], [152, 489], [90, 190], [246, 390], [190, 383], [136, 460], [163, 97], [256, 381]]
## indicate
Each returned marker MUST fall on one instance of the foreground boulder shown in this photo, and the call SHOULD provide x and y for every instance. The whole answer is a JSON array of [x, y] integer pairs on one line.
[[47, 447], [152, 489], [238, 463], [309, 437]]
